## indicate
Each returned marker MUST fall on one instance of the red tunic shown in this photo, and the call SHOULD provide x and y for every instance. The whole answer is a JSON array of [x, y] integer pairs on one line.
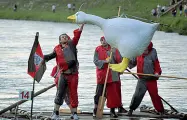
[[60, 60], [101, 53]]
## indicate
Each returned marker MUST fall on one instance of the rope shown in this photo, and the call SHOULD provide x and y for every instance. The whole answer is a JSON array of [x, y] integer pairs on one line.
[[145, 108], [28, 114]]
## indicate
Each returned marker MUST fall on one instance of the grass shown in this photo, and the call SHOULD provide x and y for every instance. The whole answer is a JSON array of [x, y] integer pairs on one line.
[[41, 10]]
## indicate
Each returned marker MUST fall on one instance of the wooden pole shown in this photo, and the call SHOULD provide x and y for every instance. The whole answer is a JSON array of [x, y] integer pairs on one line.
[[172, 108], [22, 101], [32, 97], [155, 75], [119, 11], [99, 113], [170, 8]]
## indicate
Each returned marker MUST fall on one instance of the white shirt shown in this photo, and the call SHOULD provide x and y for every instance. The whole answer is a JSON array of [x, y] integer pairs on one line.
[[53, 7], [185, 7], [69, 5]]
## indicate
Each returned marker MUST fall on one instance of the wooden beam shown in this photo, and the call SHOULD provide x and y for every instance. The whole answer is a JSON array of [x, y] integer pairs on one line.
[[171, 7]]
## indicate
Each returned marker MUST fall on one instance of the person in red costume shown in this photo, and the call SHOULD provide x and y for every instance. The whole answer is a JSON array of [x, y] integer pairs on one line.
[[56, 74], [147, 63], [67, 65], [113, 86]]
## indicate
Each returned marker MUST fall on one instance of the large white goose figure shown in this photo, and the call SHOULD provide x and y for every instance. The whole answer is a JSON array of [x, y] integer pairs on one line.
[[129, 36]]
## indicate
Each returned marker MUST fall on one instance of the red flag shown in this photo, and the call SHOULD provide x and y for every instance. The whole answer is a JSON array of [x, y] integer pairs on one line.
[[36, 66]]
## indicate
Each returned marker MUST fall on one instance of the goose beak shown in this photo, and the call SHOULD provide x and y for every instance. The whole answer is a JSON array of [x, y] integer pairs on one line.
[[72, 18]]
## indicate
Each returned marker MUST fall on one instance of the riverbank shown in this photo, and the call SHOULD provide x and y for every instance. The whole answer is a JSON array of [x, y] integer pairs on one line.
[[41, 10]]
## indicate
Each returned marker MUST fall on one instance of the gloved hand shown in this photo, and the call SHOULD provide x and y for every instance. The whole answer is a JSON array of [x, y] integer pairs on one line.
[[156, 75], [45, 58], [108, 60]]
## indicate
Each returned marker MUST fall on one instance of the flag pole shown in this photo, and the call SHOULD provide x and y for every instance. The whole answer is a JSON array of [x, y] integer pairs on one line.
[[36, 66], [33, 86], [32, 97]]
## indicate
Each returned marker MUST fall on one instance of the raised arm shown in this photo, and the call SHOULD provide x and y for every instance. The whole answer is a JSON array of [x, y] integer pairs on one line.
[[77, 34]]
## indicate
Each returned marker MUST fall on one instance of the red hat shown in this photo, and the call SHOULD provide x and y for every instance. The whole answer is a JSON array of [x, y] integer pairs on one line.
[[102, 38], [150, 46]]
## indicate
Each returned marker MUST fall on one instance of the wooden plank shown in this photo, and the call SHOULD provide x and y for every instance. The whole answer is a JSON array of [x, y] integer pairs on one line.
[[68, 111], [88, 116], [145, 112]]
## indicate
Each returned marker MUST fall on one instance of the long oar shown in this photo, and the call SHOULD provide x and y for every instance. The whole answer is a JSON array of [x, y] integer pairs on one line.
[[172, 108], [22, 101], [102, 99], [155, 75]]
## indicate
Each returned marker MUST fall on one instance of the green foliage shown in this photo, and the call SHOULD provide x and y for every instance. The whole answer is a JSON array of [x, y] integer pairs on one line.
[[183, 30], [41, 10]]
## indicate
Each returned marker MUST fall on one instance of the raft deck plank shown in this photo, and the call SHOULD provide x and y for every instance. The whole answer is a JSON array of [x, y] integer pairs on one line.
[[88, 116]]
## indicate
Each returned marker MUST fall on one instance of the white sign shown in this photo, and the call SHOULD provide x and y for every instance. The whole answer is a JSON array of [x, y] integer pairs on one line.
[[25, 95]]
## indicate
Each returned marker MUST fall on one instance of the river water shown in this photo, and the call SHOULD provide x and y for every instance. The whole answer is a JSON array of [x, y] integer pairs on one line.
[[16, 40]]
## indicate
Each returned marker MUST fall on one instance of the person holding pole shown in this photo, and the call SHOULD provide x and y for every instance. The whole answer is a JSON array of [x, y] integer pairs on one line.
[[147, 63], [102, 57], [66, 58]]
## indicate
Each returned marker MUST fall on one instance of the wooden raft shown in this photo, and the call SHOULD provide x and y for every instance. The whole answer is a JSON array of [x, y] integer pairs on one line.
[[145, 112]]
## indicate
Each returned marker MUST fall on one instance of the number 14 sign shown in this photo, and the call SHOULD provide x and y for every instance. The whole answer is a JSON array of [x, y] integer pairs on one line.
[[25, 95]]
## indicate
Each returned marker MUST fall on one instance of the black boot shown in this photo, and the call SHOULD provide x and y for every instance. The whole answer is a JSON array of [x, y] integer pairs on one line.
[[112, 113], [94, 112], [161, 113], [130, 112], [122, 110]]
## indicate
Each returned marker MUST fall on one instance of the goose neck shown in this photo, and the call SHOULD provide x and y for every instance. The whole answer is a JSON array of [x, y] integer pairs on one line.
[[95, 20]]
